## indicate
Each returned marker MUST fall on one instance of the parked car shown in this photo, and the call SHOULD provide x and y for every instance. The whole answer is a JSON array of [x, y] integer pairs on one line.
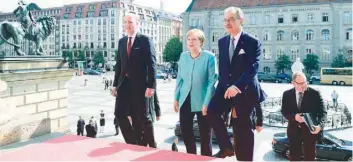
[[284, 77], [329, 147], [91, 72], [177, 131], [315, 78], [269, 78], [161, 75]]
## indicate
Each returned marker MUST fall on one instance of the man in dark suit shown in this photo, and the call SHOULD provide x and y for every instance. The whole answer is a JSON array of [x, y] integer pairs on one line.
[[298, 100], [134, 83], [237, 87], [80, 126]]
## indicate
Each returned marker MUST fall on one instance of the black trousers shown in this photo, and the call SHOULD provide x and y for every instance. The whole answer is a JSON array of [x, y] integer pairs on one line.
[[298, 134], [187, 131], [80, 132], [243, 139], [131, 101]]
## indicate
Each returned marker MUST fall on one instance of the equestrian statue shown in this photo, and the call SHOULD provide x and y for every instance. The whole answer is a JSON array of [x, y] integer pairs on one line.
[[26, 27]]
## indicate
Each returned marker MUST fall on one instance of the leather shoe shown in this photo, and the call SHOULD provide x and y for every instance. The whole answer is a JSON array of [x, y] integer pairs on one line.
[[224, 153]]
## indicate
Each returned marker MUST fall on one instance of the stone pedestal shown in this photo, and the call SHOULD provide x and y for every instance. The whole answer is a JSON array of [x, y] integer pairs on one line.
[[30, 63], [40, 101]]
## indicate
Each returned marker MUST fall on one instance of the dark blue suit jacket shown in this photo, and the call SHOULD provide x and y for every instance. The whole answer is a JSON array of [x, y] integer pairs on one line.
[[241, 72]]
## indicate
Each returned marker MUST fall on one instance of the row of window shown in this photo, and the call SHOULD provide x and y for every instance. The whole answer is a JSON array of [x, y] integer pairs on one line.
[[267, 19], [294, 53], [91, 45], [294, 35], [132, 8]]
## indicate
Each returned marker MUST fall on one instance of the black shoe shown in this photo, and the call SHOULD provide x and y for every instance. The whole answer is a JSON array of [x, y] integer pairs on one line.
[[224, 153], [117, 133]]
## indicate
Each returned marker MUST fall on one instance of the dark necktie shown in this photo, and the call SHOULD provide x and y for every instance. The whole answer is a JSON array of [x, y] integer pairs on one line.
[[300, 99], [129, 47], [231, 49]]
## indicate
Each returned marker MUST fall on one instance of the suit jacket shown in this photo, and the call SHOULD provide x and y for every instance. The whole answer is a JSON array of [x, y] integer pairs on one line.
[[81, 124], [312, 103], [241, 72], [139, 66]]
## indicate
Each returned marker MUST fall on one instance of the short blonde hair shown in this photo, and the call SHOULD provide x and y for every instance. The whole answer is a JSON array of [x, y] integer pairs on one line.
[[298, 73], [198, 33], [236, 11]]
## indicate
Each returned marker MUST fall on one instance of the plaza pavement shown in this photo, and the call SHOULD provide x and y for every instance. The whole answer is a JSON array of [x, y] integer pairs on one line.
[[90, 100]]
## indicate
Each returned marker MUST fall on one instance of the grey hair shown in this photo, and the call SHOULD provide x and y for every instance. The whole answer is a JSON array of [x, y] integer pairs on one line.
[[298, 73], [236, 11], [134, 16]]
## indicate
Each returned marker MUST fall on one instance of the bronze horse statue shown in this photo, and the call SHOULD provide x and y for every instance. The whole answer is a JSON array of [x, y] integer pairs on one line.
[[37, 32]]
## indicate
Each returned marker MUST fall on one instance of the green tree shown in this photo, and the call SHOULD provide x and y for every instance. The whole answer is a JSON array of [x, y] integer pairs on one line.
[[338, 61], [283, 63], [81, 56], [98, 58], [172, 51], [68, 56], [311, 63]]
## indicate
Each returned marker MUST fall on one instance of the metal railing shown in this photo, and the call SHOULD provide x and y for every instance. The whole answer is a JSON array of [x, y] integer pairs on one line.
[[337, 117]]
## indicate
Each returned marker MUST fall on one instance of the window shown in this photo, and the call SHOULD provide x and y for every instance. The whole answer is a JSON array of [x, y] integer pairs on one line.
[[295, 53], [75, 22], [103, 13], [99, 37], [309, 35], [74, 37], [99, 21], [104, 44], [309, 51], [346, 17], [280, 35], [280, 19], [310, 17], [86, 21], [113, 45], [92, 45], [253, 19], [280, 52], [325, 54], [349, 34], [295, 35], [112, 37], [104, 37], [294, 18], [112, 21], [266, 54], [215, 37], [90, 14], [325, 34], [92, 7], [105, 54], [267, 19], [112, 13], [265, 37], [324, 17], [78, 14]]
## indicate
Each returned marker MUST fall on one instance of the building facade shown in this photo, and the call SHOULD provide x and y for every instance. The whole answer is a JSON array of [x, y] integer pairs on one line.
[[98, 26], [292, 27]]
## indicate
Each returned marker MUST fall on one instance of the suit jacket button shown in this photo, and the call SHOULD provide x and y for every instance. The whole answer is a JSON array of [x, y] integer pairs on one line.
[[227, 85], [230, 75]]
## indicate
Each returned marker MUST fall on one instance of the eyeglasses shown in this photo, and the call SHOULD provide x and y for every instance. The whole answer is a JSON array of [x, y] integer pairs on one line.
[[232, 19], [302, 83]]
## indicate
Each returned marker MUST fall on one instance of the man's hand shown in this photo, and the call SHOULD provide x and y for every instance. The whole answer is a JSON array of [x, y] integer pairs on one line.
[[258, 129], [231, 92], [317, 130], [158, 118], [298, 118], [176, 106], [149, 92], [113, 91], [204, 110]]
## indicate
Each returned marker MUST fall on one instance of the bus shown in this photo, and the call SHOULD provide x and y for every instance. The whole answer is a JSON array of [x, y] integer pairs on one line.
[[336, 76]]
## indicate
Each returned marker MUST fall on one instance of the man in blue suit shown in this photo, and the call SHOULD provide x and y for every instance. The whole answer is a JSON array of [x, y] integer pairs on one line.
[[237, 87]]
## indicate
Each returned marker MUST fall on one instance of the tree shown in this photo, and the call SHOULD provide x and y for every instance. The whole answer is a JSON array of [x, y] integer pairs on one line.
[[338, 61], [98, 58], [311, 62], [172, 51], [283, 63], [81, 56], [68, 56]]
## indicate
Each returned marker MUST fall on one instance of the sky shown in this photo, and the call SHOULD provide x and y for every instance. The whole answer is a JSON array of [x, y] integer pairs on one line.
[[175, 6]]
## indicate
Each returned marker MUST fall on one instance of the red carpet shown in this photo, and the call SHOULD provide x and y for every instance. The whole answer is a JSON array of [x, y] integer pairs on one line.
[[72, 147]]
